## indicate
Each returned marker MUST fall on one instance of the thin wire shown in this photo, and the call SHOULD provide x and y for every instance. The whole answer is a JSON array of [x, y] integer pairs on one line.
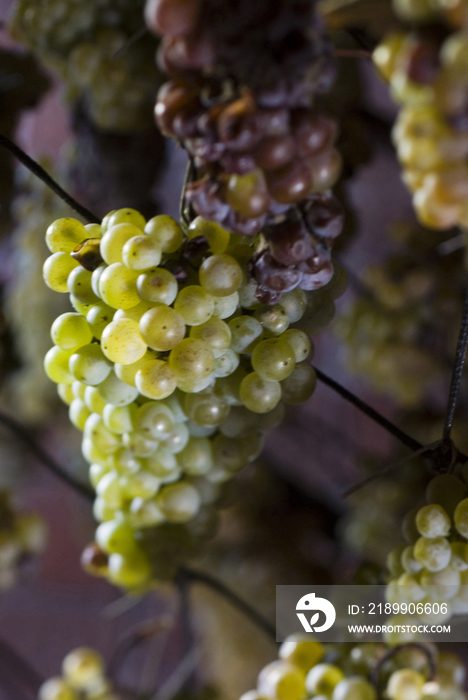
[[187, 178], [394, 430], [39, 171], [20, 431], [457, 372]]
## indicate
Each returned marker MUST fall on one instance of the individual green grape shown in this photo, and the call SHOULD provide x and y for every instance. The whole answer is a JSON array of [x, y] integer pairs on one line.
[[127, 373], [166, 232], [433, 554], [229, 387], [144, 513], [78, 413], [215, 234], [70, 331], [79, 284], [141, 253], [295, 304], [80, 307], [354, 688], [229, 453], [56, 271], [138, 445], [433, 521], [224, 307], [94, 230], [191, 360], [89, 365], [259, 395], [103, 512], [93, 400], [65, 392], [179, 502], [458, 559], [323, 679], [113, 391], [405, 684], [102, 439], [220, 275], [441, 585], [248, 295], [63, 235], [115, 536], [117, 286], [273, 318], [244, 331], [95, 277], [216, 333], [78, 390], [408, 562], [83, 669], [226, 364], [194, 304], [394, 564], [122, 342], [96, 472], [98, 317], [56, 365], [447, 490], [191, 385], [109, 489], [205, 409], [135, 313], [157, 285], [300, 344], [125, 216], [154, 420], [164, 465], [302, 651], [300, 385], [156, 379], [408, 526], [124, 461], [162, 328], [460, 518], [131, 571], [178, 438], [273, 359], [57, 689], [114, 239], [119, 419], [197, 456], [282, 681]]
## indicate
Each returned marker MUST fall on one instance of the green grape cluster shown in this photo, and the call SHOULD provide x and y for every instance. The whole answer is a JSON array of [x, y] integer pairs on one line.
[[172, 369], [90, 45], [427, 76], [22, 535], [83, 678], [308, 669], [433, 564]]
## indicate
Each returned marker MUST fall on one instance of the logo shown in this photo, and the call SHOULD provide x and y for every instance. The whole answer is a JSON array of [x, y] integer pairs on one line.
[[309, 603]]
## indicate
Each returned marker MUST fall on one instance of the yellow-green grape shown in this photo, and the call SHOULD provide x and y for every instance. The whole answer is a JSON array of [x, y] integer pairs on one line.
[[119, 419], [83, 669], [63, 235], [197, 456], [301, 651], [124, 216], [56, 365], [414, 10], [78, 390], [94, 400], [154, 420], [78, 413], [131, 571], [247, 295], [140, 485], [94, 230], [229, 387], [216, 333], [458, 559], [408, 562], [215, 234], [66, 393], [144, 513], [57, 689], [178, 438], [96, 472], [273, 318], [259, 395], [95, 277], [433, 521], [205, 409], [135, 313], [56, 271], [300, 385], [113, 391], [138, 445], [450, 669], [89, 365], [117, 286], [122, 342], [114, 239], [81, 307], [220, 275], [70, 331], [166, 232], [109, 490], [224, 307], [194, 304], [299, 342], [354, 688], [294, 303], [164, 465], [282, 681], [226, 364], [433, 554], [408, 526], [447, 490], [157, 285], [115, 536], [239, 421], [124, 460], [102, 511], [405, 684], [141, 253], [98, 317], [273, 359], [79, 284], [231, 454], [103, 440], [244, 331], [191, 360], [162, 328], [323, 678], [179, 502], [460, 517], [441, 585], [156, 379]]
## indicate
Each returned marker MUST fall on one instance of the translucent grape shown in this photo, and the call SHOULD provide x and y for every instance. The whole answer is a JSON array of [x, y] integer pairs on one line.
[[65, 392], [56, 271], [282, 681], [178, 438], [302, 651], [57, 689], [299, 342], [226, 364], [216, 333], [433, 521], [124, 216], [273, 359], [56, 365], [140, 485], [166, 232], [156, 379], [63, 235], [93, 400], [194, 304], [113, 391], [354, 688], [95, 277], [127, 373], [144, 513], [179, 502], [131, 571], [197, 457], [154, 420], [244, 331], [135, 313], [141, 253], [205, 409], [119, 419], [162, 328], [98, 317], [224, 307], [191, 360], [78, 413], [117, 286], [70, 331], [229, 453], [138, 445], [323, 678], [89, 365], [405, 684], [157, 285], [300, 385], [114, 239], [460, 518], [273, 318], [433, 554], [216, 235], [259, 395], [83, 668], [229, 387], [121, 342], [220, 275], [79, 284], [294, 303], [163, 464], [103, 440]]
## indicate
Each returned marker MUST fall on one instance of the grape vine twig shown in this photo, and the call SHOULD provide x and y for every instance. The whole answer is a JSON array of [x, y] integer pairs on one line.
[[456, 373]]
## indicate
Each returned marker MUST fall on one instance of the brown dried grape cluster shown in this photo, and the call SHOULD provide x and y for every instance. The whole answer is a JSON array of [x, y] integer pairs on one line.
[[239, 101]]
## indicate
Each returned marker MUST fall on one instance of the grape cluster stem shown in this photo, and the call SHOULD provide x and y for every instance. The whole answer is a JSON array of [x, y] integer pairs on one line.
[[430, 654], [462, 346]]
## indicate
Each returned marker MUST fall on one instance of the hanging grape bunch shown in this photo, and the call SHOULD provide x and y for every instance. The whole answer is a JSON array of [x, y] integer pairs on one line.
[[426, 70], [83, 678], [239, 100], [170, 368]]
